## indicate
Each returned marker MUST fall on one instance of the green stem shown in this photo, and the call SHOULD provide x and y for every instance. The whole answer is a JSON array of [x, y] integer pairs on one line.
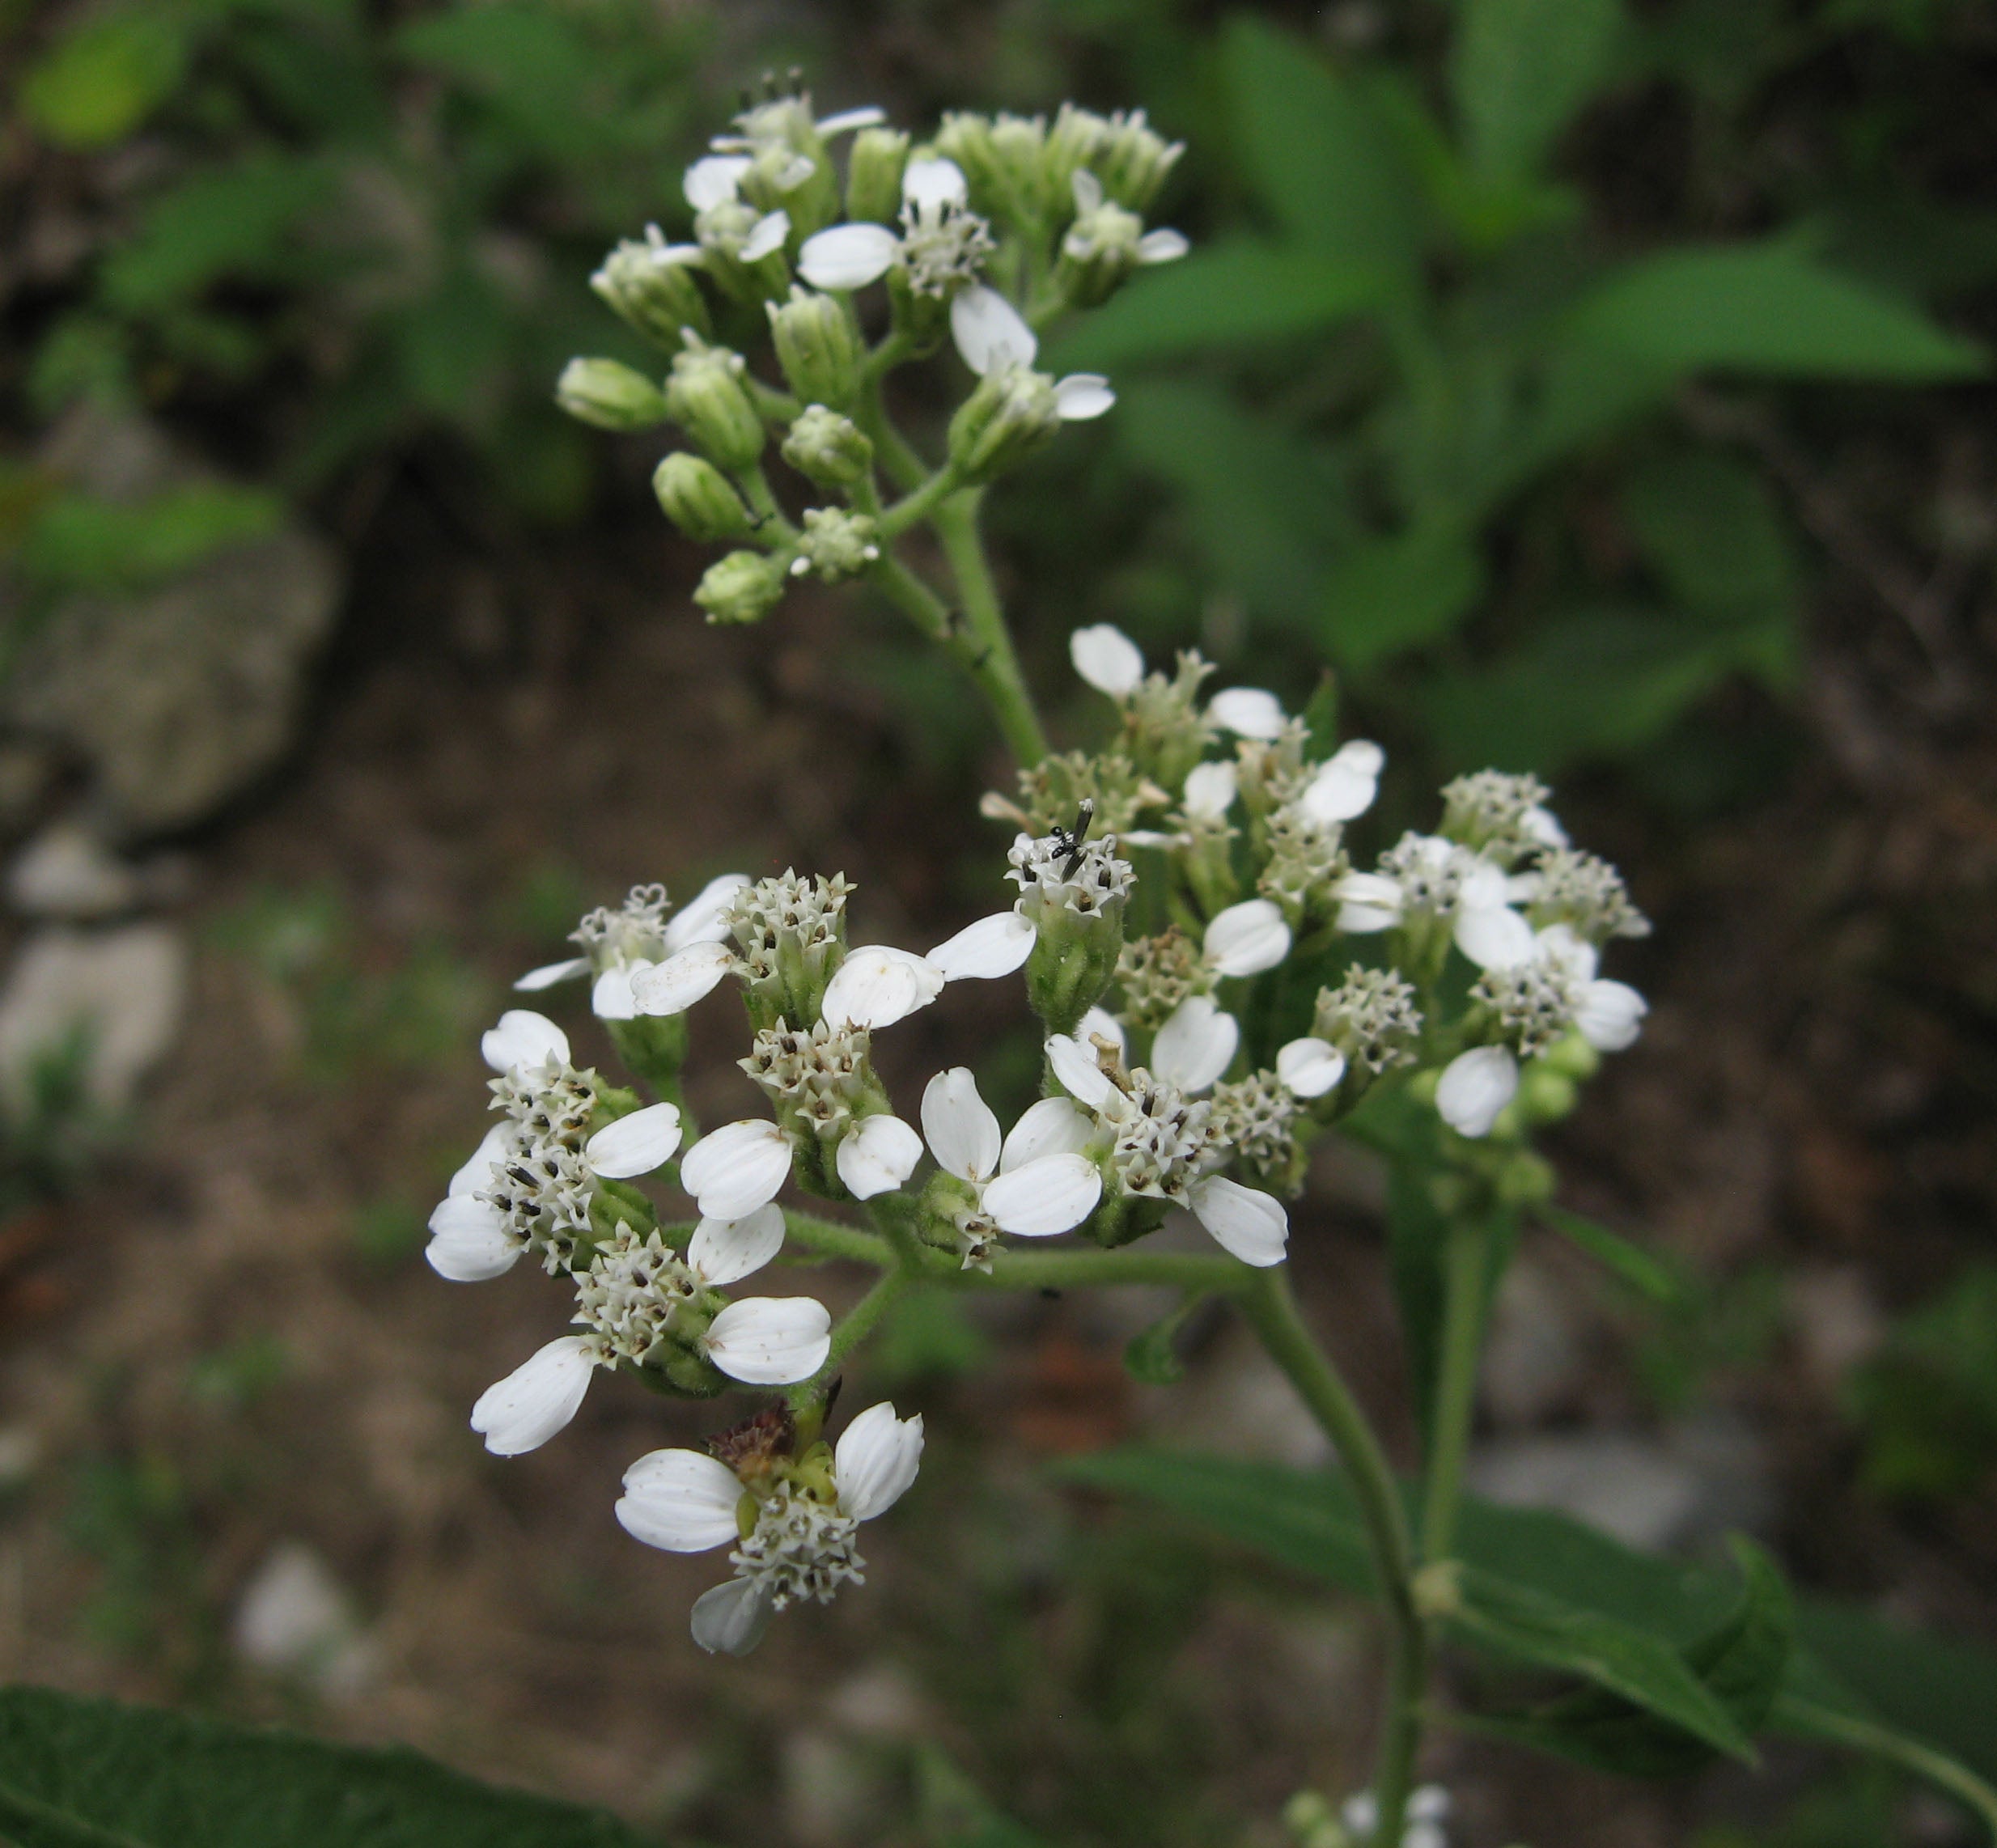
[[923, 502], [989, 653], [904, 468], [914, 599], [1812, 1721], [857, 1323], [829, 1238], [1464, 1290], [1271, 1309]]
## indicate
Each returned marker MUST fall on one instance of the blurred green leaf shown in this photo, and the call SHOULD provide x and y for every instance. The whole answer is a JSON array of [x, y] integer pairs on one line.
[[99, 83], [1710, 527], [78, 542], [1631, 1263], [1768, 307], [1518, 71], [1385, 595]]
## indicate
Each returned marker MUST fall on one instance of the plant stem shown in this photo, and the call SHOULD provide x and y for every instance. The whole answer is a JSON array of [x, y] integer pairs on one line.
[[830, 1239], [1463, 1290], [1271, 1309], [989, 653], [1813, 1720], [923, 502], [858, 1323]]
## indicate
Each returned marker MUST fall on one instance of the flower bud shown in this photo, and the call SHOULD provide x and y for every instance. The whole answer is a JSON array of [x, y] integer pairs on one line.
[[1099, 250], [709, 401], [1020, 145], [699, 499], [744, 586], [744, 250], [652, 288], [836, 545], [1013, 411], [966, 139], [609, 394], [828, 449], [1545, 1095], [1134, 160], [921, 315], [654, 1046], [1074, 142], [873, 176], [817, 346], [1526, 1180]]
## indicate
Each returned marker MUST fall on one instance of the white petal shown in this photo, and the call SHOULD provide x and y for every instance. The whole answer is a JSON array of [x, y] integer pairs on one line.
[[1244, 1222], [733, 1170], [641, 1143], [535, 1400], [1210, 790], [989, 331], [878, 984], [1054, 1194], [475, 1174], [725, 1251], [1082, 397], [875, 1460], [1610, 1015], [713, 180], [771, 1341], [1074, 1065], [1344, 784], [1107, 658], [730, 1619], [1088, 191], [1544, 826], [523, 1038], [1573, 957], [683, 978], [1495, 937], [1474, 1087], [612, 997], [1097, 1025], [683, 1500], [704, 918], [963, 1133], [848, 256], [878, 1156], [1052, 1126], [769, 235], [1196, 1045], [549, 974], [993, 947], [1310, 1067], [1162, 246], [1248, 711], [1368, 901], [468, 1243], [869, 116], [1247, 938], [932, 184]]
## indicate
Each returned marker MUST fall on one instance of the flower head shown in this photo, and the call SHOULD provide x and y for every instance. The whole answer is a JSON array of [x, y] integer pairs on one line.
[[1034, 1184]]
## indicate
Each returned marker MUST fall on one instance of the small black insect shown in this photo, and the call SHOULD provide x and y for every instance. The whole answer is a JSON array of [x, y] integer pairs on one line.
[[1069, 840]]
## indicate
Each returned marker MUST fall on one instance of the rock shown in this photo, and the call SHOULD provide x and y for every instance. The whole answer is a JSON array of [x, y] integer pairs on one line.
[[66, 872], [878, 1701], [1235, 1401], [831, 1793], [1836, 1319], [122, 991], [295, 1620], [1535, 1361]]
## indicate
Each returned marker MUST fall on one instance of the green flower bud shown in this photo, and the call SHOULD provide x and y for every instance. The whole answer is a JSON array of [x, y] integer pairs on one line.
[[921, 316], [1013, 411], [818, 347], [609, 394], [651, 285], [966, 139], [1076, 139], [709, 401], [1545, 1096], [1074, 892], [1101, 246], [828, 449], [1526, 1180], [1572, 1058], [654, 1046], [1020, 144], [699, 499], [835, 544], [744, 250], [873, 176], [744, 586], [1134, 160]]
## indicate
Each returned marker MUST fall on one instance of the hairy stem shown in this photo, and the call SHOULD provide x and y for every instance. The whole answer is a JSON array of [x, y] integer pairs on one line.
[[988, 648], [1464, 1290]]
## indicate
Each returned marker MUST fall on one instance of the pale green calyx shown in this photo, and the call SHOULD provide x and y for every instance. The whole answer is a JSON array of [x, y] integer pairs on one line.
[[835, 544], [699, 499], [828, 448], [818, 347], [610, 395], [744, 586], [708, 400], [651, 285]]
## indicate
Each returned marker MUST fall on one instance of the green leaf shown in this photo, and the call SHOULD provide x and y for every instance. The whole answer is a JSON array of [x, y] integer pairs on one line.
[[1766, 307], [1709, 526], [1631, 1263], [1418, 1236], [1385, 594], [953, 1812], [102, 81], [1518, 71], [93, 1773], [1235, 293], [76, 542], [1152, 1355]]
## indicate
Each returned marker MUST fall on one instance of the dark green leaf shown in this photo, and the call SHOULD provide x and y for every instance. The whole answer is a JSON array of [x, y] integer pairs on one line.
[[91, 1773], [1386, 595], [954, 1813], [1518, 71], [1153, 1356], [1418, 1236], [1709, 526], [234, 221], [103, 79], [1634, 1266], [76, 542]]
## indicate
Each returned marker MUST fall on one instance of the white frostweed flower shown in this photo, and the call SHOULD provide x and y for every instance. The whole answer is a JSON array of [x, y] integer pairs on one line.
[[941, 246], [619, 945], [1196, 1045], [688, 975], [1249, 712], [1427, 1809], [1310, 1067], [640, 1143], [1424, 874], [993, 947], [733, 1170], [1475, 1086], [769, 1340], [1344, 785], [469, 1242], [992, 334], [878, 984], [877, 1156], [726, 1251], [523, 1038], [1035, 1184], [536, 1400], [1246, 938], [1107, 658], [1210, 791]]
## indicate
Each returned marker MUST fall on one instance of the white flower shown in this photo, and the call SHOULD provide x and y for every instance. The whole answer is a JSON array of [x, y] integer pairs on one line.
[[715, 180], [769, 1340], [1195, 1045], [1424, 874], [1246, 938], [800, 1546], [1428, 1806], [1210, 791], [620, 945], [523, 1038], [1154, 247], [1344, 784], [733, 1170], [877, 986], [993, 947], [537, 1398], [1249, 712], [1035, 1184], [941, 244], [877, 1156], [992, 334], [1309, 1067], [1475, 1086], [469, 1240], [1107, 658]]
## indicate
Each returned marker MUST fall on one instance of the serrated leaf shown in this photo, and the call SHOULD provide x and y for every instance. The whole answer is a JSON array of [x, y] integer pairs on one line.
[[1518, 71], [1769, 308], [1631, 1263], [102, 81], [94, 1773]]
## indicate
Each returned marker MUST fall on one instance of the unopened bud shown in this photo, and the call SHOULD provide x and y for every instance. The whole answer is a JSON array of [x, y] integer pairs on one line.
[[651, 285], [1134, 160], [744, 249], [610, 395], [709, 401], [817, 346], [1020, 143], [743, 587], [1100, 248], [699, 499], [836, 545], [1545, 1096], [828, 449], [1073, 143], [873, 176], [1526, 1180], [966, 139], [920, 316], [1013, 411], [1572, 1058]]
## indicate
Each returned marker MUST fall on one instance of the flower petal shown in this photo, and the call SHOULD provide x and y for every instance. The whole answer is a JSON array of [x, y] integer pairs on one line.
[[1053, 1194], [1100, 1024], [1196, 1045], [1610, 1015], [1087, 190], [1369, 902], [877, 986], [535, 1400], [1249, 712], [523, 1038], [875, 1460], [1247, 938], [1344, 784], [768, 236], [730, 1619], [612, 996], [1244, 1222], [725, 1251], [681, 1500], [1074, 1065], [878, 1156], [468, 1242], [1163, 245], [993, 947], [641, 1143], [1210, 790], [1052, 1126], [704, 917], [1495, 937], [848, 256], [549, 974], [683, 978], [1082, 397], [733, 1170], [771, 1341], [1474, 1087], [1107, 658], [871, 116], [933, 184], [989, 330], [1309, 1067], [713, 180], [962, 1131], [475, 1174]]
